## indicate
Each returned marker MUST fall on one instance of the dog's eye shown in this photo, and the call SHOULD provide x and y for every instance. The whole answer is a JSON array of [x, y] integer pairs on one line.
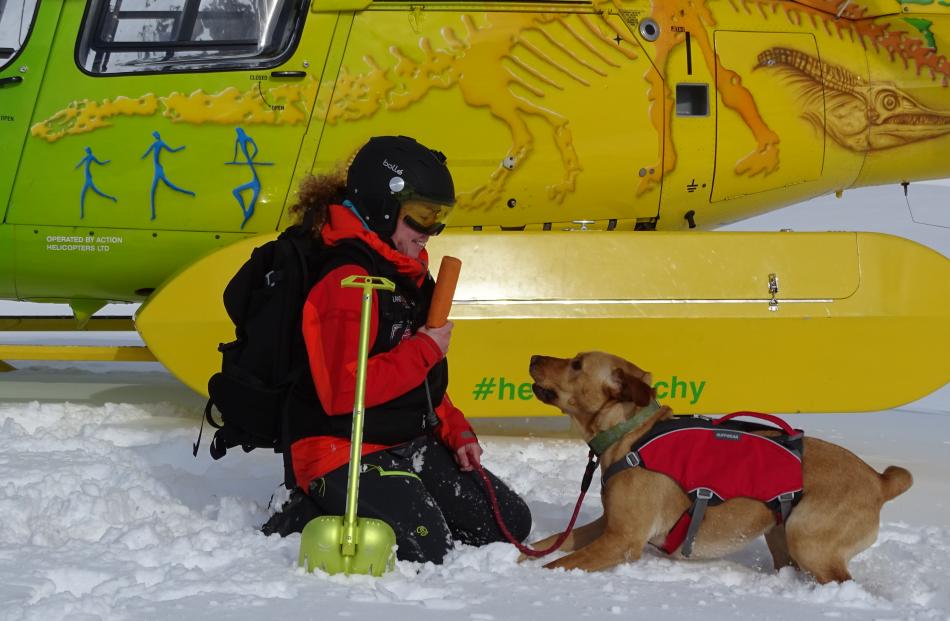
[[576, 364]]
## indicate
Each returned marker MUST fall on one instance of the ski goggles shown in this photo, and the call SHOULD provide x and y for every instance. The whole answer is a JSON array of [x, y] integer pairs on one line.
[[424, 216]]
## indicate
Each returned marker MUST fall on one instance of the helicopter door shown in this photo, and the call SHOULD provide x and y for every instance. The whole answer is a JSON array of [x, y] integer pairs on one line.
[[182, 115], [24, 46], [770, 123]]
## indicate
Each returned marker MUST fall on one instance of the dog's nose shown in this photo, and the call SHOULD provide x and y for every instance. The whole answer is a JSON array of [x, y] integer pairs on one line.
[[535, 359]]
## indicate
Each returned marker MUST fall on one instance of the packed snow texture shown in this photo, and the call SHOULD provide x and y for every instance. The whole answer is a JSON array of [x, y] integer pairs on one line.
[[105, 514]]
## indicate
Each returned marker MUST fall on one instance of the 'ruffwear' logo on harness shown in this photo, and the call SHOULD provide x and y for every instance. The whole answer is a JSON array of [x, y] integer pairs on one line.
[[393, 167], [727, 435]]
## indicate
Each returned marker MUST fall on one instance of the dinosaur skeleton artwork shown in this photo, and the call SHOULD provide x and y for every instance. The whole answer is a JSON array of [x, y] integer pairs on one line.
[[858, 116], [227, 107], [471, 63]]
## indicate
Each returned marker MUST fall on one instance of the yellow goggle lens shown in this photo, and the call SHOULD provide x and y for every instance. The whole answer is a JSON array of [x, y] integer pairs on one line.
[[425, 214]]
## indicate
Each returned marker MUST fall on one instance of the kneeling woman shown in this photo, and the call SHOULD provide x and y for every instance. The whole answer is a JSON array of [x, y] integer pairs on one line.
[[419, 452]]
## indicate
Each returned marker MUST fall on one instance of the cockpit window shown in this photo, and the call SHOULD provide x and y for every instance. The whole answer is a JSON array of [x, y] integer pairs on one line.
[[16, 19], [125, 36]]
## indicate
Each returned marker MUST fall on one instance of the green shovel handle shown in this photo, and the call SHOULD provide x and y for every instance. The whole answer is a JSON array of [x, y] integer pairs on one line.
[[367, 284]]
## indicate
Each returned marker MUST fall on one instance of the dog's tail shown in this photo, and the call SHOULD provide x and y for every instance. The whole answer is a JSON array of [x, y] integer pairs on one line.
[[895, 481]]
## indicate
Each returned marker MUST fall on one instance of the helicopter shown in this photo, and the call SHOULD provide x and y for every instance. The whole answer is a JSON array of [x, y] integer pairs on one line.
[[149, 145]]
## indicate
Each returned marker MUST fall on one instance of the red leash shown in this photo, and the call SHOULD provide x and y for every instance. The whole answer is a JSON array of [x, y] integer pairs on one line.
[[585, 484]]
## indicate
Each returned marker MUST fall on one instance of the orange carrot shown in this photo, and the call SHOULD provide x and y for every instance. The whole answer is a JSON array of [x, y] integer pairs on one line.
[[444, 292]]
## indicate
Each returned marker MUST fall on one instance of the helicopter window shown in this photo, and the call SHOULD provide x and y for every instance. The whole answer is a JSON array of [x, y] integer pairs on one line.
[[692, 100], [126, 36], [16, 20]]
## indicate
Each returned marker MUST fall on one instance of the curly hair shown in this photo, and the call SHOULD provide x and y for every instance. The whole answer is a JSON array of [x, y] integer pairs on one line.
[[316, 194]]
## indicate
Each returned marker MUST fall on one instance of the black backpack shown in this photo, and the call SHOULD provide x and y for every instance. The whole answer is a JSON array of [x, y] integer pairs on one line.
[[260, 368]]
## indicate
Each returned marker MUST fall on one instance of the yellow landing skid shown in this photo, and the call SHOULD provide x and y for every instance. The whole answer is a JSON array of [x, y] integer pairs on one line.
[[68, 323], [857, 321], [88, 353]]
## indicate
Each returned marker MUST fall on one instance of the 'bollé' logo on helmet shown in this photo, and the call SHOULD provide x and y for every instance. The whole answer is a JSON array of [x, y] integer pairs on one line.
[[393, 167]]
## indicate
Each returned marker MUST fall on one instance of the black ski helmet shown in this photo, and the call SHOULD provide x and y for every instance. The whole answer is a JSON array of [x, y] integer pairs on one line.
[[388, 170]]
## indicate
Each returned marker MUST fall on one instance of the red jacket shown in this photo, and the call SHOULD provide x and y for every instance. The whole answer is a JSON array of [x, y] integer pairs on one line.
[[331, 324]]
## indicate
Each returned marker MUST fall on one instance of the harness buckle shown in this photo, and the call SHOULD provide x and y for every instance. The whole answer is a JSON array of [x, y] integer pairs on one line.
[[704, 493], [785, 505], [703, 496], [632, 459]]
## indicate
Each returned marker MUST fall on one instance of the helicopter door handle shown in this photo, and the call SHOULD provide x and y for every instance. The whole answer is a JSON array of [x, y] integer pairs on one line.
[[13, 79], [288, 74]]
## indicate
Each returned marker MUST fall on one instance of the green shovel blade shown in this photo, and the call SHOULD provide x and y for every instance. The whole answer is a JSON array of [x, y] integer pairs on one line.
[[374, 553]]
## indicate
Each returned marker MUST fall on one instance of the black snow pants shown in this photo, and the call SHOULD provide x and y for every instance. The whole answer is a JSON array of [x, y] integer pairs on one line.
[[418, 489]]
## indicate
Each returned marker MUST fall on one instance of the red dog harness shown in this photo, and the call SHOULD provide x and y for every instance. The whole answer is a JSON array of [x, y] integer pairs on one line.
[[716, 460]]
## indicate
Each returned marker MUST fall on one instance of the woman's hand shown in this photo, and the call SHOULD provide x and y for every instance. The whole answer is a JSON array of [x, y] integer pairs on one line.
[[441, 336], [469, 456]]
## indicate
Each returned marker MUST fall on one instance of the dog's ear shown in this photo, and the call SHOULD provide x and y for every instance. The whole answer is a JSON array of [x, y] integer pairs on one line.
[[629, 388]]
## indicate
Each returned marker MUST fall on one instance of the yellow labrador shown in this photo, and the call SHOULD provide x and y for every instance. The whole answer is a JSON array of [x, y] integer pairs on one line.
[[837, 516]]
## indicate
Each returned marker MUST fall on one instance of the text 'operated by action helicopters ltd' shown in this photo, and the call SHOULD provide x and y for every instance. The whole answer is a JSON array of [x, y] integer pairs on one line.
[[149, 145]]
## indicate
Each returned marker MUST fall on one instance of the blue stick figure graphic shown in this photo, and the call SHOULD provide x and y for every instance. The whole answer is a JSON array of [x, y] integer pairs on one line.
[[156, 150], [242, 142], [88, 160]]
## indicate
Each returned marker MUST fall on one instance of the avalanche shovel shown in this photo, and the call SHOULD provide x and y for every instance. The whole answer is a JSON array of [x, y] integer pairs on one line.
[[346, 543]]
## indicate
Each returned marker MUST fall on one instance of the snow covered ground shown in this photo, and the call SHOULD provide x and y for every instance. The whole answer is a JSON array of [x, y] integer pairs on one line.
[[105, 514]]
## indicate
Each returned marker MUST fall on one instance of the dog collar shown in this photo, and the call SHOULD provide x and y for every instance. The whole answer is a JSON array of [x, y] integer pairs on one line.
[[602, 441]]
